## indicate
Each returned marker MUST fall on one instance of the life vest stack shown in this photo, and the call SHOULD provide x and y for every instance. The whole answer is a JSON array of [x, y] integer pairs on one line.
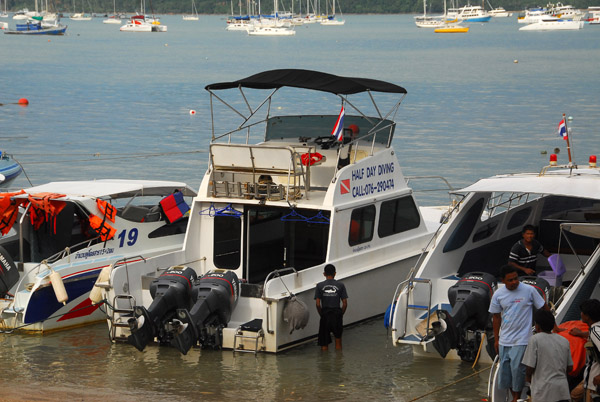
[[174, 207]]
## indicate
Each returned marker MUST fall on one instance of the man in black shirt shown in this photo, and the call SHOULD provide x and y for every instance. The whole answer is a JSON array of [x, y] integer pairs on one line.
[[523, 255], [328, 295]]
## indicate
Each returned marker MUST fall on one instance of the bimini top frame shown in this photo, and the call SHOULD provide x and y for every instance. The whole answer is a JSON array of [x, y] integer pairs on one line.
[[306, 79]]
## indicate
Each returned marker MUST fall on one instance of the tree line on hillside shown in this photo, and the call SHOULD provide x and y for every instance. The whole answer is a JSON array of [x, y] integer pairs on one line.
[[225, 7]]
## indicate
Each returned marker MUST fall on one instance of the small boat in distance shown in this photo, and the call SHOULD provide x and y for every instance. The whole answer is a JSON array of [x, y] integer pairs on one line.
[[452, 28], [551, 23], [194, 15], [499, 12], [270, 31], [9, 169], [38, 28]]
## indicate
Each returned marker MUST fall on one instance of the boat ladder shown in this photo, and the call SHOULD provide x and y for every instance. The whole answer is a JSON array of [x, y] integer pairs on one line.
[[407, 298], [123, 307], [252, 332]]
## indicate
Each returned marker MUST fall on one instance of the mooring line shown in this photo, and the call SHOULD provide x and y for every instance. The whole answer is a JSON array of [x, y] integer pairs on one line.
[[451, 384]]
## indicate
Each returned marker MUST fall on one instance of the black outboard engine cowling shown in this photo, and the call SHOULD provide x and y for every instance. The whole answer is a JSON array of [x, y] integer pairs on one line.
[[540, 284], [9, 275], [470, 299], [215, 296], [170, 291]]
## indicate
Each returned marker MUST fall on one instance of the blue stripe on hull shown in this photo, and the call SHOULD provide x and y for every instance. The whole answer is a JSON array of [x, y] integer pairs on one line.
[[43, 303], [479, 19]]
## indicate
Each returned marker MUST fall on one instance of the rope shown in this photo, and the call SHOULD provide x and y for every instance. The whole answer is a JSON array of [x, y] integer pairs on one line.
[[452, 383], [479, 351], [10, 331]]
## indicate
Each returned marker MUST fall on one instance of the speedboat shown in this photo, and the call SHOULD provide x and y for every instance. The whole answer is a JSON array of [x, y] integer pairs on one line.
[[66, 233], [442, 308], [271, 213], [9, 169], [550, 23]]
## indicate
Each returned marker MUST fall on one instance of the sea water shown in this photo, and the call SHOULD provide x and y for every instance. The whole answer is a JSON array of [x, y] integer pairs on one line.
[[110, 104]]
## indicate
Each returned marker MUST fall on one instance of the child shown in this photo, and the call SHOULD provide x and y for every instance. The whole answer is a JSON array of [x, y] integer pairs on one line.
[[548, 359]]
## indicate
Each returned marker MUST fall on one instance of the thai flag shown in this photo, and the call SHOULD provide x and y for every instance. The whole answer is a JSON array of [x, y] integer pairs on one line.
[[562, 129], [338, 129]]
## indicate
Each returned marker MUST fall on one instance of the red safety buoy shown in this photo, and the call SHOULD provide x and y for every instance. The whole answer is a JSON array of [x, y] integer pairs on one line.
[[192, 112], [23, 101]]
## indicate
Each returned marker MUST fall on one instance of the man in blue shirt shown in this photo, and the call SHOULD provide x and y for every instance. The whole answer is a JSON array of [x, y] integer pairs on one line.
[[328, 295], [523, 254], [512, 308]]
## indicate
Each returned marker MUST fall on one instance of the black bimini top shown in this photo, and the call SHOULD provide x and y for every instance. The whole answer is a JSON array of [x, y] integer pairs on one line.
[[308, 79]]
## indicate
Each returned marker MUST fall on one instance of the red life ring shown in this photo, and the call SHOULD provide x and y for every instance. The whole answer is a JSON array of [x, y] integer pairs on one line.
[[314, 158]]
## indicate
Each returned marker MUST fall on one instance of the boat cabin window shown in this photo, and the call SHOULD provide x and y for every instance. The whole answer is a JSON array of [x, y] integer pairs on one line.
[[171, 229], [362, 223], [485, 231], [283, 237], [462, 231], [227, 242], [519, 218], [398, 216]]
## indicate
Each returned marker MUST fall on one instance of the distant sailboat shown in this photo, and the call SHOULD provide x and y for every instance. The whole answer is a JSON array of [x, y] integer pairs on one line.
[[113, 19], [425, 21], [194, 15], [331, 19]]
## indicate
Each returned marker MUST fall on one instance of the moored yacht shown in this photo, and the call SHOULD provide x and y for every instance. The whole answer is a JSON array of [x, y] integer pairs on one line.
[[282, 197]]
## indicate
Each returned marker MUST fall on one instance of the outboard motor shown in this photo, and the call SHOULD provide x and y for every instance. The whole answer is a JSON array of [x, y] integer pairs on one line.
[[215, 295], [170, 291], [9, 275], [470, 299], [540, 284]]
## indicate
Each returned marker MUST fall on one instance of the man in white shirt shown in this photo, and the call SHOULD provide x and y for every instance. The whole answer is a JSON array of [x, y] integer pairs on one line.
[[512, 309]]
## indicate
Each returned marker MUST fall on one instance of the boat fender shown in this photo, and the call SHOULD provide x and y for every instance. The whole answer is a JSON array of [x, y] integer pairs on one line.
[[96, 295], [295, 313], [311, 158], [58, 286], [9, 275]]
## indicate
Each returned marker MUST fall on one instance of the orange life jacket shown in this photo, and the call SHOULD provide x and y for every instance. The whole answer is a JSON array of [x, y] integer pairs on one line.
[[107, 209], [9, 209], [44, 208], [576, 343], [102, 228]]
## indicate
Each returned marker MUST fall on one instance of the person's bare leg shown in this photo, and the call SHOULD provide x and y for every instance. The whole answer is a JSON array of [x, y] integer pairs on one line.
[[338, 343], [324, 348], [515, 395]]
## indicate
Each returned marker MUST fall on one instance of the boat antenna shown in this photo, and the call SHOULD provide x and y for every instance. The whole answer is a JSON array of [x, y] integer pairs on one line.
[[568, 132]]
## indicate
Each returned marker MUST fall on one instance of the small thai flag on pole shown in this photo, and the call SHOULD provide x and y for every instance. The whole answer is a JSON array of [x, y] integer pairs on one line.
[[562, 129], [338, 129]]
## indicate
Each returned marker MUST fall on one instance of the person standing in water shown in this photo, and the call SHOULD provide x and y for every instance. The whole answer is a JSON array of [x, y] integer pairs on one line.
[[328, 295]]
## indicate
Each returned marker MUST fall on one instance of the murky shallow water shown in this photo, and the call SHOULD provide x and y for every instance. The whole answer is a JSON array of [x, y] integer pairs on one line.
[[82, 364]]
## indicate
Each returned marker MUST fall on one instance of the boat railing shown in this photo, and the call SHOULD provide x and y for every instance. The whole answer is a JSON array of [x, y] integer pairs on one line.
[[65, 253], [409, 286], [247, 171]]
